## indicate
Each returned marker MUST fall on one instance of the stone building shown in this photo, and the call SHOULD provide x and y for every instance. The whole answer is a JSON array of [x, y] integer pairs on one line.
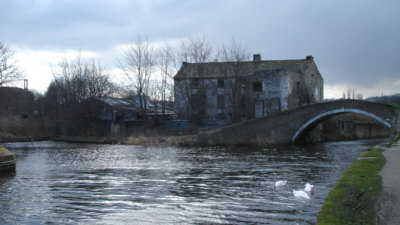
[[235, 91]]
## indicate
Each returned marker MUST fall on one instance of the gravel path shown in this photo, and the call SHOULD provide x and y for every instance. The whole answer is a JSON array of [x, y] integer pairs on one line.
[[390, 198]]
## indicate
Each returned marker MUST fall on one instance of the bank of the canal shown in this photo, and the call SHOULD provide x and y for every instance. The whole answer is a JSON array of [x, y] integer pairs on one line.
[[367, 193], [186, 140], [389, 200], [7, 160]]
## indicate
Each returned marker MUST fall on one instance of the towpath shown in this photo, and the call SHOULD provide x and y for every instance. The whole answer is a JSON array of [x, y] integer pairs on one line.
[[390, 197]]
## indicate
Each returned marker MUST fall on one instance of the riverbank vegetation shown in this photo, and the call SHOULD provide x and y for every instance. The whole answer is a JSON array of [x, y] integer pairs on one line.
[[20, 128], [396, 139], [133, 140], [352, 199], [162, 140], [6, 155]]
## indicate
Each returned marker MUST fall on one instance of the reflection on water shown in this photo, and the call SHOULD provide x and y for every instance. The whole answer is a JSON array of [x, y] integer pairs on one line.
[[77, 183]]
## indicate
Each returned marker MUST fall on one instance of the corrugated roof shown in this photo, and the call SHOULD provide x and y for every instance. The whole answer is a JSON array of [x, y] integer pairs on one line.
[[226, 69], [114, 102]]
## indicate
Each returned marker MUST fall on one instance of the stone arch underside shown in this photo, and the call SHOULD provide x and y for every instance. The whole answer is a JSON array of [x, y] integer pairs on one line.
[[326, 115]]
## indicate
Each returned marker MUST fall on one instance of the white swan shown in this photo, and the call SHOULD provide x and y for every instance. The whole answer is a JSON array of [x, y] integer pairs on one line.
[[309, 187], [301, 194], [279, 182]]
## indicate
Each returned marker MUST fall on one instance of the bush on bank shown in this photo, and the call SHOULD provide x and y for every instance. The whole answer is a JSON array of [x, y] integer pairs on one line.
[[352, 199], [6, 155]]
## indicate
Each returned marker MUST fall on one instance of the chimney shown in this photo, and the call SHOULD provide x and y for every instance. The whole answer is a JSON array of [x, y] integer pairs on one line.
[[309, 57], [256, 58]]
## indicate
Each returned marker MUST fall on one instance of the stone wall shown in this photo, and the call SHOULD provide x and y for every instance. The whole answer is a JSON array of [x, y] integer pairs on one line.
[[270, 95], [264, 92], [347, 127], [304, 88], [185, 89], [290, 126]]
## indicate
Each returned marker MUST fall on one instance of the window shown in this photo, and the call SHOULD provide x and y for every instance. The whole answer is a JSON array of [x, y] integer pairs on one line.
[[220, 83], [275, 104], [195, 83], [257, 86], [220, 101], [195, 98], [242, 103], [220, 116], [258, 108]]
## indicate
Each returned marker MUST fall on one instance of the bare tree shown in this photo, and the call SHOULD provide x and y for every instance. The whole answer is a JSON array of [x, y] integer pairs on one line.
[[195, 50], [75, 93], [9, 71], [98, 82], [138, 63], [234, 52], [351, 94], [303, 94], [69, 78], [234, 68], [193, 53], [167, 69]]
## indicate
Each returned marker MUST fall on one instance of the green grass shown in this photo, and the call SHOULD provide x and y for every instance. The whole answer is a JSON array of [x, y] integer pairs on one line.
[[352, 199], [394, 141], [396, 105]]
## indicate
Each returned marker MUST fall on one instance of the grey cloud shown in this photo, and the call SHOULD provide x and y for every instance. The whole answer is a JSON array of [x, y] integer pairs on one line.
[[352, 41], [93, 24], [64, 24]]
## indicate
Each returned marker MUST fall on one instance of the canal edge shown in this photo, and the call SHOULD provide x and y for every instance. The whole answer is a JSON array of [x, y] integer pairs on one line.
[[7, 160], [351, 196]]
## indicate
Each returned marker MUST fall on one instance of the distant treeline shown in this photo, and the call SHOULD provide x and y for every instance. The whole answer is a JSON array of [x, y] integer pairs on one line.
[[391, 99]]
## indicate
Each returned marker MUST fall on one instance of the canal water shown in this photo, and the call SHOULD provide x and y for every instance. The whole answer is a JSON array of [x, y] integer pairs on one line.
[[64, 183]]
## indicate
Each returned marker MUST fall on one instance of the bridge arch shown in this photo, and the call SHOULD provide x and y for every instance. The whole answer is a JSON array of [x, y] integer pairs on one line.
[[289, 126], [326, 115]]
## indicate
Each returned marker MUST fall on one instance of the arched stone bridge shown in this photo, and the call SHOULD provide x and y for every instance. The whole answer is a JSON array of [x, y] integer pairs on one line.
[[290, 126]]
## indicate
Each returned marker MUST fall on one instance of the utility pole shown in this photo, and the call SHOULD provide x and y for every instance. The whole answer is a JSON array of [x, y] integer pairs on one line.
[[25, 84], [26, 107]]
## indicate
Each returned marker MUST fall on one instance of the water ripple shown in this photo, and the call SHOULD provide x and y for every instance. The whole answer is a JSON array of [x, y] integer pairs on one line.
[[112, 184]]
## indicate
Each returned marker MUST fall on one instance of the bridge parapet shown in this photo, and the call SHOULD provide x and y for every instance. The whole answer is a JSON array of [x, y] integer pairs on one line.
[[290, 126]]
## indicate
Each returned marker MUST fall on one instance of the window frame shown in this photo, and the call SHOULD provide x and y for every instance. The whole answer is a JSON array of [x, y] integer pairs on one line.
[[221, 101], [257, 86], [220, 83]]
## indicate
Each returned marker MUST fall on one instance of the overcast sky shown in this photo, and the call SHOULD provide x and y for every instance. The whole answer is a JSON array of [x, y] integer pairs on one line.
[[355, 44]]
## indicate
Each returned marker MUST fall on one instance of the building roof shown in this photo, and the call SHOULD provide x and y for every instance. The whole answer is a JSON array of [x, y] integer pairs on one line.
[[234, 69], [114, 102]]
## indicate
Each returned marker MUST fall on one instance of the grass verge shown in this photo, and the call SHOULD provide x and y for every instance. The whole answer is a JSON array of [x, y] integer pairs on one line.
[[352, 199], [394, 141]]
